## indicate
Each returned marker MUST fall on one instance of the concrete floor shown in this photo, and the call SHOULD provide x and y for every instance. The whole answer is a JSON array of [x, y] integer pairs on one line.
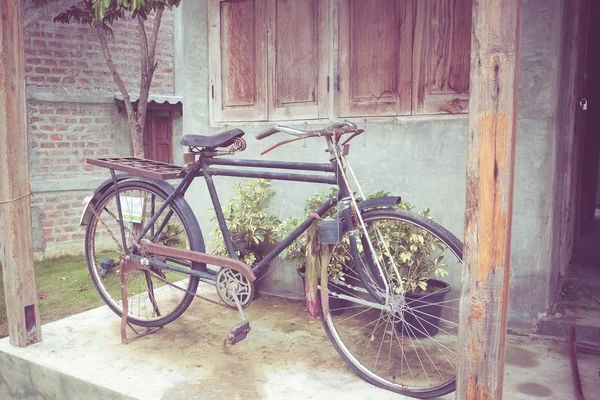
[[287, 355]]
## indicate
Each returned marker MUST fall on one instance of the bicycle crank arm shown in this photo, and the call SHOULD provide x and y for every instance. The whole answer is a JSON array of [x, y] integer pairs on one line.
[[240, 331]]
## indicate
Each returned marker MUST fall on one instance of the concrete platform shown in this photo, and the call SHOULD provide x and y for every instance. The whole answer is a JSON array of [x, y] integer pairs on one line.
[[287, 355], [579, 302]]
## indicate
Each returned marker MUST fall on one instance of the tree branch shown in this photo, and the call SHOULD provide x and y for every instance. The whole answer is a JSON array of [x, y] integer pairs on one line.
[[148, 49], [117, 78], [144, 44], [114, 72], [155, 29]]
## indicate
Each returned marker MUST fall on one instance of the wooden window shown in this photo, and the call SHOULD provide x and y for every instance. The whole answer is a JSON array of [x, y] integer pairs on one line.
[[375, 57], [442, 56], [298, 58], [238, 59], [273, 60], [268, 59]]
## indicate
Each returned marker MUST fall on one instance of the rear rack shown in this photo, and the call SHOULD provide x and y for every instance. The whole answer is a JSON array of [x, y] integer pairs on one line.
[[139, 166]]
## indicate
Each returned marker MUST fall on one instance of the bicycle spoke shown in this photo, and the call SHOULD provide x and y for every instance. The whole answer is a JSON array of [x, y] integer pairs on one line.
[[419, 341], [151, 301], [371, 338]]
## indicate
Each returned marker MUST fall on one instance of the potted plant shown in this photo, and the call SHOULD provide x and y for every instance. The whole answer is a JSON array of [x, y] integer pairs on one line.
[[249, 223], [315, 261], [420, 270]]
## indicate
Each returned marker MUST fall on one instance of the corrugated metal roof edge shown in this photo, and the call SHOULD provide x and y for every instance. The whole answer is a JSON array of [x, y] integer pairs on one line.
[[157, 98]]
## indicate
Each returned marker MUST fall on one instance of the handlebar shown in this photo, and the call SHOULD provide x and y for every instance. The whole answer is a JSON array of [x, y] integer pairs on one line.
[[343, 124], [332, 132], [267, 133], [301, 133]]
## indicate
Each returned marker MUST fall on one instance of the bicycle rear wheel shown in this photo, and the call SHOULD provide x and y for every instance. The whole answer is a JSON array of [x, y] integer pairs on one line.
[[411, 347], [153, 301]]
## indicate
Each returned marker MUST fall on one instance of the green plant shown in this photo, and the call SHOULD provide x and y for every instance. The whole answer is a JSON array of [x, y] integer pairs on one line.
[[171, 236], [412, 261], [413, 250], [296, 252], [246, 214]]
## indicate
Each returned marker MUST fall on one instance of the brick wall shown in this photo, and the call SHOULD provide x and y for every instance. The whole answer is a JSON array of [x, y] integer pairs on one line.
[[56, 217], [62, 135], [75, 117], [70, 57]]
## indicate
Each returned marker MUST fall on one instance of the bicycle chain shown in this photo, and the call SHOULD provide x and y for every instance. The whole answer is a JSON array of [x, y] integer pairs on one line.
[[218, 303]]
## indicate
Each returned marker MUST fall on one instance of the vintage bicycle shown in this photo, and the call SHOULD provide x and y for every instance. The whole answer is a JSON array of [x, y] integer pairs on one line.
[[146, 256]]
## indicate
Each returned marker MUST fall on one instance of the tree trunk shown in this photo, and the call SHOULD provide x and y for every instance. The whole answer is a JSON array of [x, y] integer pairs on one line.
[[136, 118], [137, 136]]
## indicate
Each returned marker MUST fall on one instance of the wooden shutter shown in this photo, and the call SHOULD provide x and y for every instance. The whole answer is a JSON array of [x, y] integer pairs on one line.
[[442, 54], [375, 57], [298, 59], [238, 59]]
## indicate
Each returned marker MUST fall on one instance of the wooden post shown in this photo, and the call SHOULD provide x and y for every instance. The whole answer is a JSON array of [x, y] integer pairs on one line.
[[488, 215], [16, 251]]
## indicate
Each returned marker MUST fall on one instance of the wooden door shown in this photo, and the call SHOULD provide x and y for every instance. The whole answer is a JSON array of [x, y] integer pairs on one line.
[[589, 126], [576, 28], [158, 137]]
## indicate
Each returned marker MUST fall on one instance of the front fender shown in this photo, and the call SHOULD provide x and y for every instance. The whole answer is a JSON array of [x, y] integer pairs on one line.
[[107, 184], [379, 202]]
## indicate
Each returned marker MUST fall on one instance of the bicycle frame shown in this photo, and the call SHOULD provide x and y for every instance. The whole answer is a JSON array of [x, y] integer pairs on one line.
[[204, 168]]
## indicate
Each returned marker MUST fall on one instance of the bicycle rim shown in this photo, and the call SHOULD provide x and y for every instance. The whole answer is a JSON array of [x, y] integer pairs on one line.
[[152, 302], [411, 349]]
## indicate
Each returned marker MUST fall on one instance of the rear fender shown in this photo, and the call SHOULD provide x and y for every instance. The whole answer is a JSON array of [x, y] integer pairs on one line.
[[86, 215]]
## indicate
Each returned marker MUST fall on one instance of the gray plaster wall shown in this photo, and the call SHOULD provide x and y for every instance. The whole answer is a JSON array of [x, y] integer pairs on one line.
[[423, 159], [535, 163]]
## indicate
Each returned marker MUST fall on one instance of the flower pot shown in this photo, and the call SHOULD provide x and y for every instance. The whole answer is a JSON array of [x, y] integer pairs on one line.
[[278, 279], [424, 306]]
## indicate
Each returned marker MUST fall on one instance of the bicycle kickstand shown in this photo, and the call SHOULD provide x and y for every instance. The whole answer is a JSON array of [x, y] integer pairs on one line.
[[239, 331]]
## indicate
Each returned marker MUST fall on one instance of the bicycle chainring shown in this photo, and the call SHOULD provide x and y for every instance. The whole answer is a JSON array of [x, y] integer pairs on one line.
[[229, 281]]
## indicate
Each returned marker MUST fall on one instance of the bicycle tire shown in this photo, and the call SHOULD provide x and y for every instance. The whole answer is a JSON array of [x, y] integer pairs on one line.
[[337, 318], [98, 234]]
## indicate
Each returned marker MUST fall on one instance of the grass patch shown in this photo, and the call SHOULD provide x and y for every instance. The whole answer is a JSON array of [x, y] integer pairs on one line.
[[64, 288]]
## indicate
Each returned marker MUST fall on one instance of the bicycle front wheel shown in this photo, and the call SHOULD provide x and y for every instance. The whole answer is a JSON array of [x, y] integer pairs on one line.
[[410, 346], [158, 297]]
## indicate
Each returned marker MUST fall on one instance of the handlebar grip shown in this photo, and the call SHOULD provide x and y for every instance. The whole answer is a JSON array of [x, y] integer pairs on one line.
[[342, 125], [267, 133]]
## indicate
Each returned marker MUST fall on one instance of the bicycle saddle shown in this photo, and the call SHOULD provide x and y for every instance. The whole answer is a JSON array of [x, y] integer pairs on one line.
[[222, 139]]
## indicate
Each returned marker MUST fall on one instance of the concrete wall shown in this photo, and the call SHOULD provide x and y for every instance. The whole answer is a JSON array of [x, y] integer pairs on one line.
[[422, 158], [533, 218]]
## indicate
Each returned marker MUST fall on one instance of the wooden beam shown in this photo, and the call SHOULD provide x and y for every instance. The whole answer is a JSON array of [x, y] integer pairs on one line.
[[488, 215], [16, 251]]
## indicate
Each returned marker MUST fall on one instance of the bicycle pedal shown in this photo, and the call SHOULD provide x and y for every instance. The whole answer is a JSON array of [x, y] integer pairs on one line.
[[238, 332]]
